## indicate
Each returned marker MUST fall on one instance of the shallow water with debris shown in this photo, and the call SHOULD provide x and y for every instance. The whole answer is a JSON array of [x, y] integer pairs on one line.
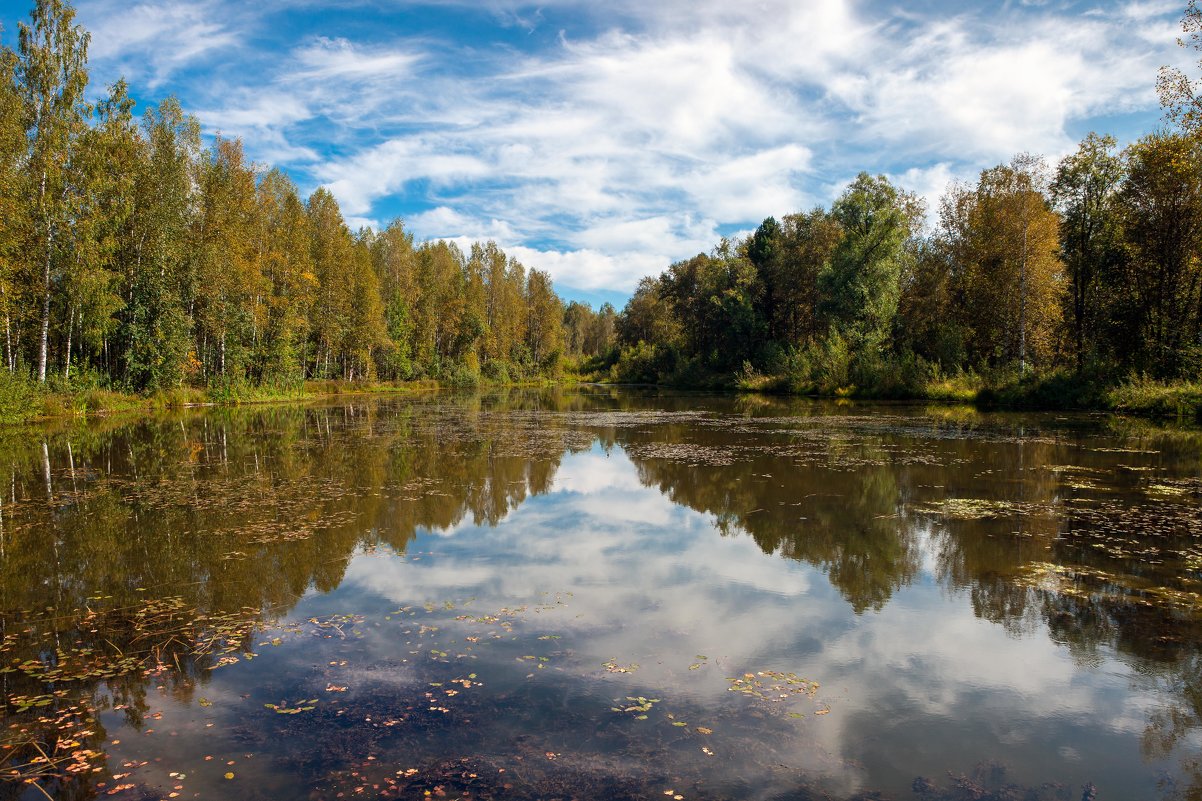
[[601, 593]]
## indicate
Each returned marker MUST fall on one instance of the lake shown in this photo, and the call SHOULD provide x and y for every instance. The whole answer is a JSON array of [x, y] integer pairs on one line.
[[601, 593]]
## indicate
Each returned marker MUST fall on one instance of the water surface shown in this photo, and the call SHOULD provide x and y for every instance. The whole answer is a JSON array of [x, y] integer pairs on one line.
[[601, 594]]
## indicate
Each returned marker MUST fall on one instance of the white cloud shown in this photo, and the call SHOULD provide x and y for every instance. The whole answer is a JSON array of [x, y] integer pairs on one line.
[[328, 59], [752, 187], [630, 140], [152, 41], [267, 111], [592, 269], [357, 182]]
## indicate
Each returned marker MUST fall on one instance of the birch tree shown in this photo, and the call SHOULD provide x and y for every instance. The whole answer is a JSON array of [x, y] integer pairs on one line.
[[52, 76], [13, 216]]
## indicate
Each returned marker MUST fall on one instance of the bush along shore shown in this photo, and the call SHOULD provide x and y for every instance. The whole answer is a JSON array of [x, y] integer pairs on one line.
[[913, 380], [23, 401]]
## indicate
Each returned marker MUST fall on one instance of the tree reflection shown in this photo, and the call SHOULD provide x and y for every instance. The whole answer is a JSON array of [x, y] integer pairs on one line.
[[231, 516], [245, 510]]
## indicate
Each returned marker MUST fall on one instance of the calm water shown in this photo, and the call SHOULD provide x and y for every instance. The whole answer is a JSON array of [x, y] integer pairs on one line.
[[601, 594]]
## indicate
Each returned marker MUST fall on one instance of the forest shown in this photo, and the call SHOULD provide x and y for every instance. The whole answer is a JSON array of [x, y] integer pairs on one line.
[[1091, 268], [135, 258], [1040, 284]]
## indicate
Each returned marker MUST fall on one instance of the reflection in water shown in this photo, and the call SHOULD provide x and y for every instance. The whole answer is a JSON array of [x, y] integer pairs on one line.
[[523, 594]]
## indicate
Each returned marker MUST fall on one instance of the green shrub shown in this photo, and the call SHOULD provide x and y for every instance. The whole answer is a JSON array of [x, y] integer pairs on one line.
[[832, 361], [462, 375], [1182, 399], [497, 371], [641, 364], [20, 398]]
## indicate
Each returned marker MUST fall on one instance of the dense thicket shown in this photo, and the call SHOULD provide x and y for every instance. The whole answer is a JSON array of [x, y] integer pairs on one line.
[[1095, 265], [132, 255]]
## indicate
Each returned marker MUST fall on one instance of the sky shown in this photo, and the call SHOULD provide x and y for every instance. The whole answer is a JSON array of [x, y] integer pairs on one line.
[[602, 141]]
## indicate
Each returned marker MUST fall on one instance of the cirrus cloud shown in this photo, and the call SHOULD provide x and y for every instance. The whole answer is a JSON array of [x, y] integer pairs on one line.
[[602, 143]]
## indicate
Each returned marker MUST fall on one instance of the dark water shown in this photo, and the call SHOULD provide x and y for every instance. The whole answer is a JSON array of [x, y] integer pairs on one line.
[[601, 594]]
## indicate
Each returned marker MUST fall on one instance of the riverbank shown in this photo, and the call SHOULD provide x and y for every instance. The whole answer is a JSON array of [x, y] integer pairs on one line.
[[23, 401], [1060, 391]]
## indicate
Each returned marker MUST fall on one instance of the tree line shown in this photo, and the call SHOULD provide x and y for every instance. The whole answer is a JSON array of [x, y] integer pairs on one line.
[[1091, 267], [1093, 264], [133, 256]]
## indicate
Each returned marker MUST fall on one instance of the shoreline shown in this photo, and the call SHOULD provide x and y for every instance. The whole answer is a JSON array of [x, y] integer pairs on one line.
[[1056, 392], [38, 405], [1179, 401]]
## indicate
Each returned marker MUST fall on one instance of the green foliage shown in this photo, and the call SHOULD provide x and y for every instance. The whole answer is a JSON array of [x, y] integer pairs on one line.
[[129, 252], [1085, 192], [51, 79], [463, 374], [642, 363], [1057, 389], [497, 372], [831, 362], [20, 399], [1139, 395], [861, 284], [1160, 205]]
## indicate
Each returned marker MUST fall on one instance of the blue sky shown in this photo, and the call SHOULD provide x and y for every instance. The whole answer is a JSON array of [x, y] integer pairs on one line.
[[603, 140]]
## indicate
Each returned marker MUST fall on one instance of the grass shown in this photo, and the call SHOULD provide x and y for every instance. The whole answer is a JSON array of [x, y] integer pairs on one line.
[[1157, 398], [959, 389], [22, 400], [326, 388], [831, 373]]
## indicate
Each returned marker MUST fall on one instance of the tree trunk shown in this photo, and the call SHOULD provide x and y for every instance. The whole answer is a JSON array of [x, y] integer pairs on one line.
[[70, 330], [8, 341], [1022, 298], [44, 349]]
